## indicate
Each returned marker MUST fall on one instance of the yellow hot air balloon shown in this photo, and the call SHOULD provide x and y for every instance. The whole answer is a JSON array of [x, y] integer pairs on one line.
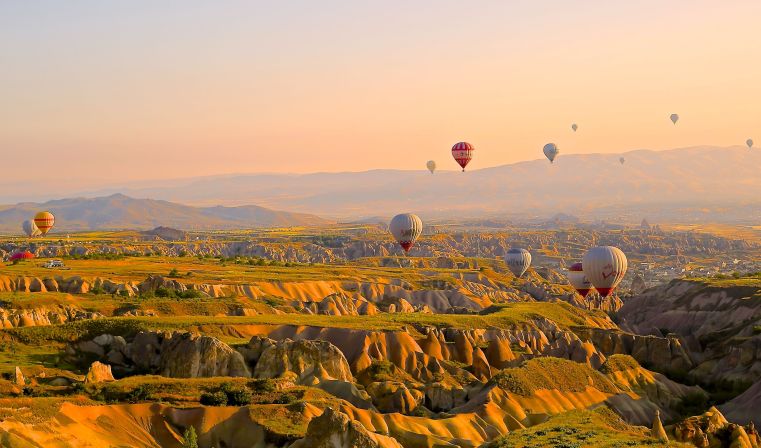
[[44, 221]]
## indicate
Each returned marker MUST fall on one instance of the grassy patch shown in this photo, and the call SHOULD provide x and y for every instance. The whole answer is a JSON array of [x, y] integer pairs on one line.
[[549, 373], [619, 363], [583, 428], [503, 316]]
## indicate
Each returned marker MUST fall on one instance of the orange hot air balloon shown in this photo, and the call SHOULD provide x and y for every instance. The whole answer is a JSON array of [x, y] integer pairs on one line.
[[44, 221]]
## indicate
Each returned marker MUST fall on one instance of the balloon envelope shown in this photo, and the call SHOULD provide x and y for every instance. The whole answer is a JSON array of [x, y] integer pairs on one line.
[[462, 153], [749, 142], [674, 118], [44, 221], [574, 127], [26, 255], [431, 165], [622, 160], [579, 280], [406, 228], [605, 267], [518, 260], [30, 228], [551, 151]]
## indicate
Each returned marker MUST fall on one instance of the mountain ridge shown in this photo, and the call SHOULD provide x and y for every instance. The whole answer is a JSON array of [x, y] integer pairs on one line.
[[594, 185], [705, 182], [119, 211]]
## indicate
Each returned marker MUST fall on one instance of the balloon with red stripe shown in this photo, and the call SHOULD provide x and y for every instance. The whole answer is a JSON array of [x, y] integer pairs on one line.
[[44, 221], [462, 153], [605, 267], [406, 228], [579, 280]]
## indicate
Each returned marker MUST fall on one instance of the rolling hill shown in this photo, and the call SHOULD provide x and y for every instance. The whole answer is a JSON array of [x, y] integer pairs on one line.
[[684, 185], [118, 211], [700, 182]]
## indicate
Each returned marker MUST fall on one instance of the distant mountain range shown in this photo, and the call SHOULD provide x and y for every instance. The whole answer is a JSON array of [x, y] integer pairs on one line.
[[122, 212], [700, 183], [681, 183]]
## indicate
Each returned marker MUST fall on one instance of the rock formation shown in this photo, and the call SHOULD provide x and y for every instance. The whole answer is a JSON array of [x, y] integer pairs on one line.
[[308, 361], [99, 373], [335, 429], [657, 431]]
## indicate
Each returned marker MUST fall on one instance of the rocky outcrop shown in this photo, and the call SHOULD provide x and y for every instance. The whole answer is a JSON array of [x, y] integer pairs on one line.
[[657, 431], [18, 377], [712, 429], [58, 314], [659, 353], [99, 373], [392, 396], [745, 407], [480, 365], [188, 355], [308, 362], [339, 305], [335, 429], [177, 355], [714, 322]]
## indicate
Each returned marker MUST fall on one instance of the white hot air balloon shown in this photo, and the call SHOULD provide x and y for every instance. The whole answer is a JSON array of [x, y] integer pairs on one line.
[[551, 151], [431, 165], [30, 228], [406, 228], [579, 280], [605, 267], [622, 160], [518, 260], [674, 118], [749, 142], [574, 127]]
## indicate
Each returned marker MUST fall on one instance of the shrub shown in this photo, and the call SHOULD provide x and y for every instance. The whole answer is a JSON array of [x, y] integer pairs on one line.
[[264, 386], [285, 399], [217, 398], [140, 393], [379, 368], [190, 294], [174, 273], [189, 438], [238, 397]]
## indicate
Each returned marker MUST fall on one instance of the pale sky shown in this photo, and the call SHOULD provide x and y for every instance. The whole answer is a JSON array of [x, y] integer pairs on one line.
[[127, 90]]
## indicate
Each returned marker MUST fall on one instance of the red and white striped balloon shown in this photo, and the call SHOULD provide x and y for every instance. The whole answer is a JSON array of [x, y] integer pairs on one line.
[[579, 280], [462, 153]]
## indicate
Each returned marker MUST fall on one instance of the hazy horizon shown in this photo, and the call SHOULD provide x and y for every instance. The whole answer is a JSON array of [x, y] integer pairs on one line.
[[51, 189], [95, 93]]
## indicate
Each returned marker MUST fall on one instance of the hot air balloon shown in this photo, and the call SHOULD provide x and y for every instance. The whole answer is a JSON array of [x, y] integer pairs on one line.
[[674, 118], [574, 127], [462, 153], [30, 229], [551, 151], [518, 260], [579, 280], [749, 142], [44, 221], [431, 165], [406, 228], [622, 160], [26, 255], [605, 267]]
